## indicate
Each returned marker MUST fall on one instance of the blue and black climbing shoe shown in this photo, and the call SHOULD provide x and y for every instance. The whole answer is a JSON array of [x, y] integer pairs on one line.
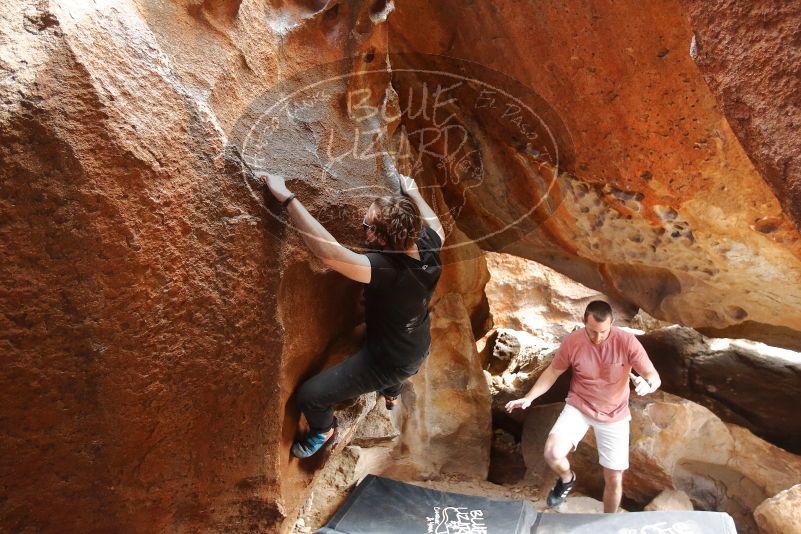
[[311, 443]]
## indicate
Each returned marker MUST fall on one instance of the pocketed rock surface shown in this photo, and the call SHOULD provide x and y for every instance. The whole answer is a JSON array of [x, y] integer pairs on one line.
[[158, 313]]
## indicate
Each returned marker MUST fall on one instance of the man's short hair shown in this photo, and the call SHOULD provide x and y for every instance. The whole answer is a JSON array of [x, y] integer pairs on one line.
[[398, 221], [600, 311]]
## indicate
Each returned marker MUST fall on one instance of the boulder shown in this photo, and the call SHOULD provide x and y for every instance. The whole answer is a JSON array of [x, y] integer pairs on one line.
[[378, 428], [527, 296], [369, 452], [678, 444], [780, 514], [749, 384], [157, 313], [448, 401], [517, 360], [668, 501], [335, 481], [577, 504]]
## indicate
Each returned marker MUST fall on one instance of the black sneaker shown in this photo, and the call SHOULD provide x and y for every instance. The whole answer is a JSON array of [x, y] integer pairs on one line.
[[560, 490]]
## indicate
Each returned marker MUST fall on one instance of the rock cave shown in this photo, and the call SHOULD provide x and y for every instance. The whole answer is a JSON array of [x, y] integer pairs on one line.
[[159, 311]]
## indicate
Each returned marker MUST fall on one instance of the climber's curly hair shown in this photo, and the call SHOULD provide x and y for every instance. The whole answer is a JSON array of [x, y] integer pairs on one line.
[[397, 221]]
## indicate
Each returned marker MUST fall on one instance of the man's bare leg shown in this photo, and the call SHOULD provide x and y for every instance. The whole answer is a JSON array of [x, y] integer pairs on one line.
[[556, 451], [613, 490]]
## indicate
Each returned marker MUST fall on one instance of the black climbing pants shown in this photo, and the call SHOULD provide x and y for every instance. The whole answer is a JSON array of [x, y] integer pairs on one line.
[[359, 374]]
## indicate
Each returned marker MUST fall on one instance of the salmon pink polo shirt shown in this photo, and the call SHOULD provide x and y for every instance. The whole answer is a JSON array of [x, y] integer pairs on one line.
[[600, 384]]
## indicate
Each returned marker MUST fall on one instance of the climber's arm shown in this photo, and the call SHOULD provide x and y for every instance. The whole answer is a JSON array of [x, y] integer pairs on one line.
[[318, 239], [545, 381], [326, 247], [409, 188], [427, 215]]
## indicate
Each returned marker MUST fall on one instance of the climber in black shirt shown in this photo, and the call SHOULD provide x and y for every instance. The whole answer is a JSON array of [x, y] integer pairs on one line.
[[400, 279]]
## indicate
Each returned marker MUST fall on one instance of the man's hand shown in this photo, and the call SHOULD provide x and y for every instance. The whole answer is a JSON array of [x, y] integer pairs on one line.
[[408, 185], [518, 403], [641, 385], [275, 184]]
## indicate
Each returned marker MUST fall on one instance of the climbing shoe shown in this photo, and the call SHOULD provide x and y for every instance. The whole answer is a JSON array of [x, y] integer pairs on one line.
[[560, 490], [391, 402], [311, 443]]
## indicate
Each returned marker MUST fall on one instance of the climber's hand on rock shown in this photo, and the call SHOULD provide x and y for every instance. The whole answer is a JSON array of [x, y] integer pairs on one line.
[[276, 184], [641, 385], [518, 403]]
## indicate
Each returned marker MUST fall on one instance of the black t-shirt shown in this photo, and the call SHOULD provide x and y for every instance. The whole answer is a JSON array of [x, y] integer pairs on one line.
[[397, 298]]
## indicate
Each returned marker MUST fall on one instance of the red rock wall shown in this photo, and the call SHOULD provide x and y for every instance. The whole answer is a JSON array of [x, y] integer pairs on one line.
[[156, 317], [750, 55], [657, 202]]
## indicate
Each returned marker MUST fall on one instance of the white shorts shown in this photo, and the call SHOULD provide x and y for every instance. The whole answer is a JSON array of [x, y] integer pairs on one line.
[[612, 438]]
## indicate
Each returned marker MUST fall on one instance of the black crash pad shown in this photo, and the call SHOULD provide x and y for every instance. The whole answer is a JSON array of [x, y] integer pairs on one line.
[[636, 523], [383, 506]]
